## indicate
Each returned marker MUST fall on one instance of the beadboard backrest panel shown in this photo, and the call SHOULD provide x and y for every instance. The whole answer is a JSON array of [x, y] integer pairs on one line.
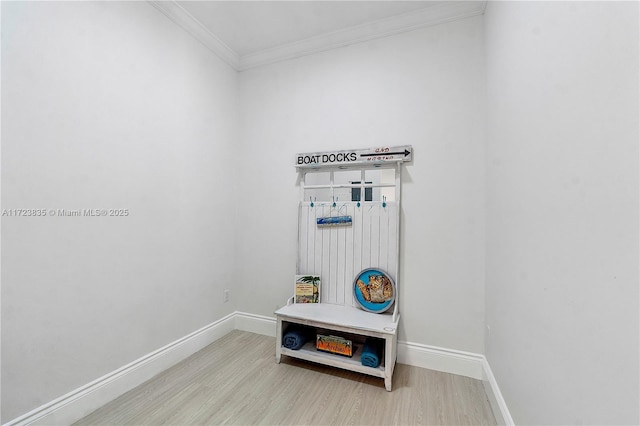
[[338, 253]]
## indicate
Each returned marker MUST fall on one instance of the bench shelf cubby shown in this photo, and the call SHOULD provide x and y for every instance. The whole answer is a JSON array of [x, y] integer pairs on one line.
[[341, 320]]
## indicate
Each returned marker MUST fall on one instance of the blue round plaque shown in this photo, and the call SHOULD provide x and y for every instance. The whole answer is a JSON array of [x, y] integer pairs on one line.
[[374, 290]]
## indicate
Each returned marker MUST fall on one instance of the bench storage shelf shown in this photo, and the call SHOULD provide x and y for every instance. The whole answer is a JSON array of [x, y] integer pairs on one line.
[[340, 320]]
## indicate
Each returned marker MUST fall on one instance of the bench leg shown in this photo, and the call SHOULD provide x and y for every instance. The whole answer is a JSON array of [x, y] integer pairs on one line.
[[278, 340], [389, 360]]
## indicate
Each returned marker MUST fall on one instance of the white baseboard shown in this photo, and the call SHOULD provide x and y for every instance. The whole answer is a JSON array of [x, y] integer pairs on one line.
[[84, 400], [498, 404], [457, 362], [441, 359], [255, 324]]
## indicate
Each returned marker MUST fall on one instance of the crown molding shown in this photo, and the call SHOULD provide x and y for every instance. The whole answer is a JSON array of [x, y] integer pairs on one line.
[[184, 19], [428, 16]]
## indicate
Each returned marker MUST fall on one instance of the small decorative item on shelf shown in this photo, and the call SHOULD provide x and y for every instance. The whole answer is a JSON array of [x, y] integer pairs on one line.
[[374, 290], [307, 289], [334, 344]]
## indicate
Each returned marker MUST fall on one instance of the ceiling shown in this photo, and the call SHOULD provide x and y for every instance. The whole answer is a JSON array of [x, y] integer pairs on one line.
[[247, 34]]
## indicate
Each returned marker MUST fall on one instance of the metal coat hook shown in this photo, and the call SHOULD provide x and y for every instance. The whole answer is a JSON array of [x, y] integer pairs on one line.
[[358, 204], [334, 201], [310, 200], [384, 201]]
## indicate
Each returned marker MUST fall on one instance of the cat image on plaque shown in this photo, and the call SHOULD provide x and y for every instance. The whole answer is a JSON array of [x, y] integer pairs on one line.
[[307, 289], [374, 290]]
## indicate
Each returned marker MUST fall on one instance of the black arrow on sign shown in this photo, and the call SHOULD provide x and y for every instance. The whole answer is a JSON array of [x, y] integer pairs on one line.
[[380, 154]]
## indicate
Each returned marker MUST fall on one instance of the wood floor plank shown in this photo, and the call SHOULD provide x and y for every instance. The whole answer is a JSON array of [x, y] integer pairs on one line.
[[235, 381]]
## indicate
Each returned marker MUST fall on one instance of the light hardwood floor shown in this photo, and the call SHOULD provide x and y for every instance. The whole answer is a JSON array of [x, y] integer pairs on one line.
[[236, 381]]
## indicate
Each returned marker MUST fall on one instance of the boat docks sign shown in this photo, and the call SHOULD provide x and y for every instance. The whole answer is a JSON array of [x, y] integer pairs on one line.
[[387, 154]]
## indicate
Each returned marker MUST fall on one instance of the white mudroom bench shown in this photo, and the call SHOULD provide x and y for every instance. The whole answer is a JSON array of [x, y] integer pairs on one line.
[[368, 193]]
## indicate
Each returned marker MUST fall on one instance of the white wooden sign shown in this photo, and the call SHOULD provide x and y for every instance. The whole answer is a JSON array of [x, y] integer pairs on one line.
[[384, 154]]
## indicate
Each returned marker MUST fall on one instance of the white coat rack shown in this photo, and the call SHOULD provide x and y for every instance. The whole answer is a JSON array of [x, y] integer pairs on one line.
[[344, 227]]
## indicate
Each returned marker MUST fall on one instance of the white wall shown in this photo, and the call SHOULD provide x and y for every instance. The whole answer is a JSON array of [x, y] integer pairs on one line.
[[424, 88], [562, 210], [108, 105]]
